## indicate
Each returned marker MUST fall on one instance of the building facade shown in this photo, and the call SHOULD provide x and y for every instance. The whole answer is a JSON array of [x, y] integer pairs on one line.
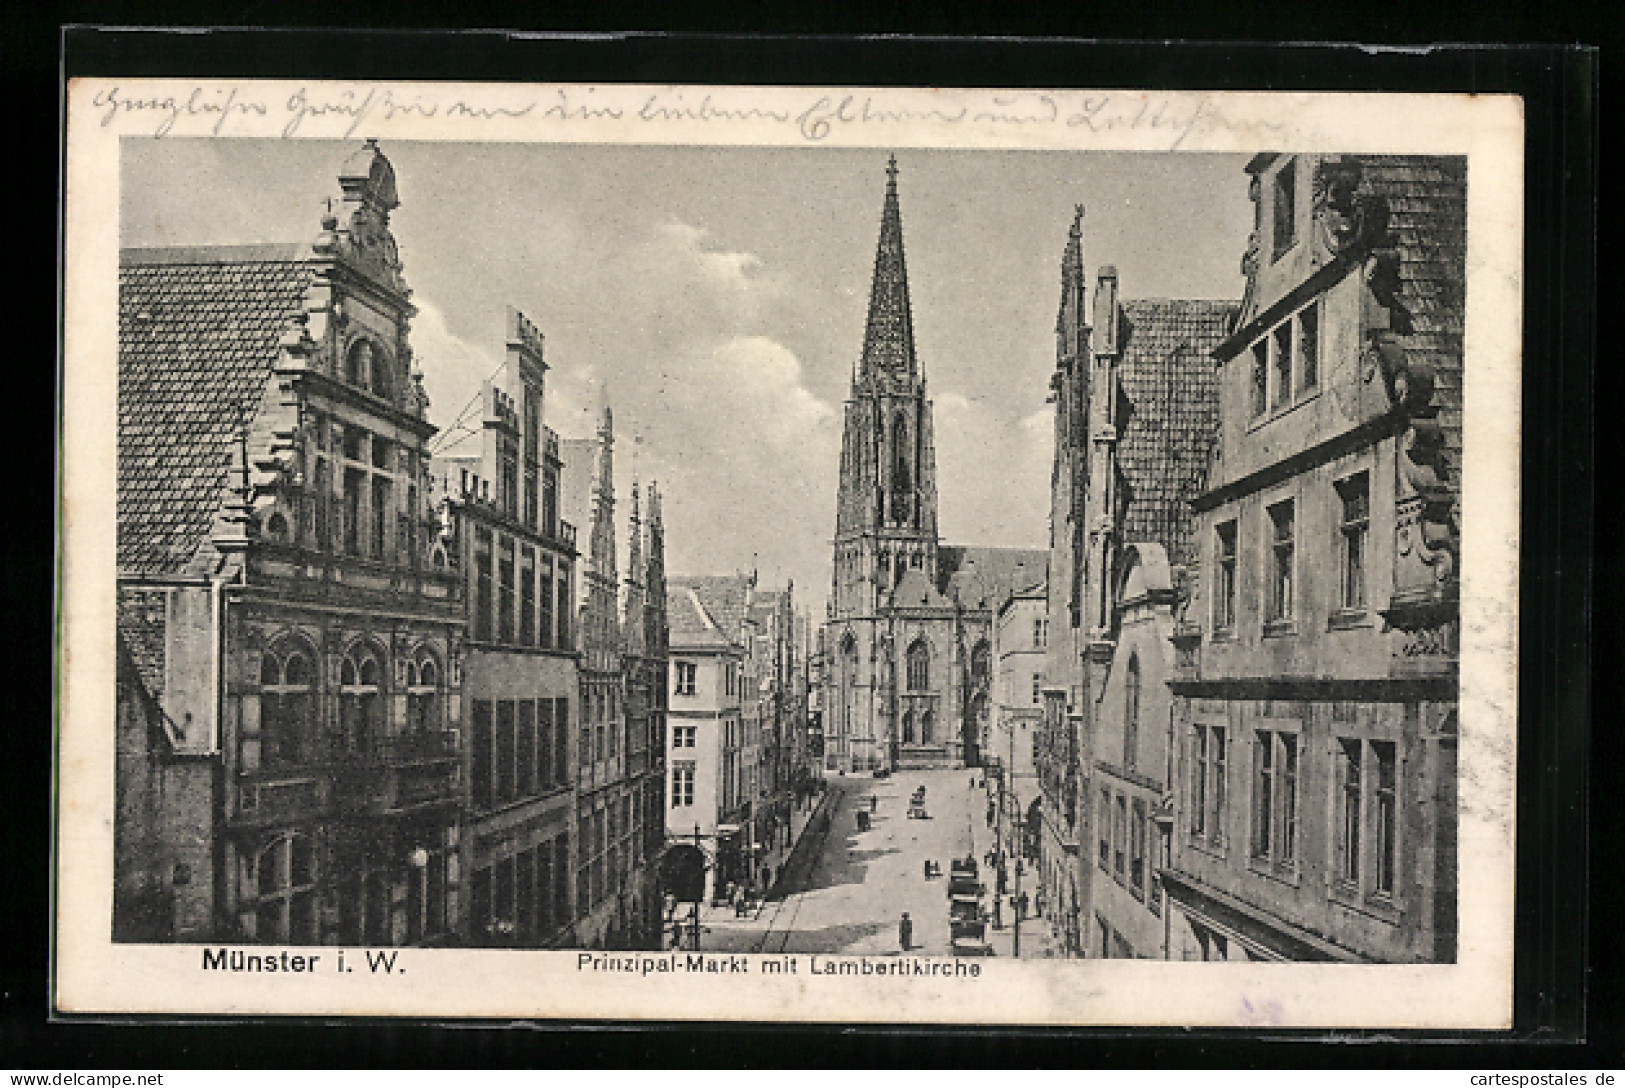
[[501, 530], [1136, 421], [909, 624], [1316, 663], [619, 781], [290, 618], [1020, 639]]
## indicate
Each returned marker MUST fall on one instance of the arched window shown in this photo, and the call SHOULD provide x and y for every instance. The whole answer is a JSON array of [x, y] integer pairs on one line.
[[282, 909], [908, 727], [361, 700], [287, 704], [423, 696], [919, 666], [901, 482], [366, 367], [1131, 713], [928, 728], [849, 683]]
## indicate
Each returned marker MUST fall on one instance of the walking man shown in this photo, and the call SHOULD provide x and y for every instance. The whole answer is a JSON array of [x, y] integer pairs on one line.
[[905, 932]]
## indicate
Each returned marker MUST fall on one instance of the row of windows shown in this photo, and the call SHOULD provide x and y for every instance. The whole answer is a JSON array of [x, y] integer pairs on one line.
[[1126, 839], [1286, 362], [611, 836], [1352, 496], [520, 749], [279, 902], [515, 607], [287, 730], [524, 896], [1365, 838]]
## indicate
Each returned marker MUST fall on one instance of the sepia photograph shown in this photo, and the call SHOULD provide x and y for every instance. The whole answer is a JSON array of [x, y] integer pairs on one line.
[[919, 570]]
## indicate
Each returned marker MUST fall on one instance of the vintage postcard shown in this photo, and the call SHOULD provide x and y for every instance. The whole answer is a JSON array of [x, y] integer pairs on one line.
[[766, 553]]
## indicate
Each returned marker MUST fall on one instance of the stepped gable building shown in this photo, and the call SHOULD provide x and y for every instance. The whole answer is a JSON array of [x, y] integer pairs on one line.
[[1316, 662], [1136, 421], [502, 533], [290, 634], [908, 631]]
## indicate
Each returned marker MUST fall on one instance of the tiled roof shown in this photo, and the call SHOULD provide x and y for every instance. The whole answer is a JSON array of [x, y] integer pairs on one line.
[[726, 598], [1169, 415], [985, 577], [198, 333], [691, 627], [1427, 223]]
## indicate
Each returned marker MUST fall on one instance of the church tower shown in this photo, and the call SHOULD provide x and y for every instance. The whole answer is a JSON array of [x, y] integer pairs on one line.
[[886, 512]]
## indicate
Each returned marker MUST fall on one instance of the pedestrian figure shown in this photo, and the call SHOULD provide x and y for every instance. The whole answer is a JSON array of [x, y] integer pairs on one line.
[[998, 911], [928, 868], [990, 814], [739, 900], [874, 802], [905, 932]]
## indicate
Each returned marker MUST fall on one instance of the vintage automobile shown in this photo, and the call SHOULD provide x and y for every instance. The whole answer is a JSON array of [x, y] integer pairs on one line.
[[972, 946], [964, 907]]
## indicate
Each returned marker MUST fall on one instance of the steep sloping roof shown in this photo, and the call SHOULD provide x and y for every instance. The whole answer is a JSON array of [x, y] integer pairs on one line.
[[916, 591], [140, 623], [198, 333], [1169, 415], [726, 598], [691, 626], [1427, 224], [984, 577]]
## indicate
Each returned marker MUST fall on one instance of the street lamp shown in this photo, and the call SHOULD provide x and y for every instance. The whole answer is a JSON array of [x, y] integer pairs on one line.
[[1015, 827]]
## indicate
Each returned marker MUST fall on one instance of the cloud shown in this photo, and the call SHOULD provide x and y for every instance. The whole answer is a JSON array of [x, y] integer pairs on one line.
[[453, 372], [993, 473]]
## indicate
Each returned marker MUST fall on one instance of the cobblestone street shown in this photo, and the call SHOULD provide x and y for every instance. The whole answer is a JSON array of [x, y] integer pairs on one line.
[[855, 885]]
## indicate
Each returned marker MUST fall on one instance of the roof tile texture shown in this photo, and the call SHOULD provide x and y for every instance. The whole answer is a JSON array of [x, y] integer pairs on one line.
[[197, 341]]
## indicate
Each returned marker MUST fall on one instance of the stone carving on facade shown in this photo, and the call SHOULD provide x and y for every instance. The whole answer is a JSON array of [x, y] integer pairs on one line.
[[1347, 220]]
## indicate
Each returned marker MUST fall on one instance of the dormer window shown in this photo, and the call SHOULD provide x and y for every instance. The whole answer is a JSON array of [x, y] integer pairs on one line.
[[1284, 193]]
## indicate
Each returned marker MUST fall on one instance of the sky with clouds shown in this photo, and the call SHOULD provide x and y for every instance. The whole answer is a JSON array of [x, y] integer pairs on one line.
[[716, 297]]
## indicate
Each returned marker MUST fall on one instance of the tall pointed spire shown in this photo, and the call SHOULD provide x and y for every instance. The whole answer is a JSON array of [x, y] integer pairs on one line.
[[888, 339], [1072, 322], [602, 549]]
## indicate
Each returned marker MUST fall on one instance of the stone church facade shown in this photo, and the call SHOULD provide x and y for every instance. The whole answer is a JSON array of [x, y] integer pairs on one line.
[[909, 627]]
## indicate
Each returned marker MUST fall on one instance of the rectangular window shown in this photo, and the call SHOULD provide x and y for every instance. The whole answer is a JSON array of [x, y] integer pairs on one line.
[[1224, 576], [505, 588], [1309, 347], [1137, 839], [1385, 833], [482, 586], [686, 673], [1281, 351], [527, 596], [481, 722], [354, 485], [544, 628], [1260, 378], [525, 748], [566, 622], [1104, 820], [1119, 837], [1221, 782], [684, 736], [545, 770], [1198, 790], [1285, 209], [1354, 495], [1348, 824], [1038, 688], [378, 539], [1263, 792], [505, 752], [1281, 560], [561, 741], [1038, 634], [1286, 835], [550, 500]]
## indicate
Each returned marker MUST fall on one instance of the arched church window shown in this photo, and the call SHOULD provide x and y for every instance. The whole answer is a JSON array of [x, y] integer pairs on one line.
[[908, 727], [919, 666], [287, 703], [928, 728]]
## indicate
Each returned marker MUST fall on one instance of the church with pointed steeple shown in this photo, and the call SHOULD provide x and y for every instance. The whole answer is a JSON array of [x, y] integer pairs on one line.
[[909, 618]]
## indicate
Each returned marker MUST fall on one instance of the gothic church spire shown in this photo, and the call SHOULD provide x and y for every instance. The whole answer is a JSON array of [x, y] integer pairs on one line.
[[888, 340]]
